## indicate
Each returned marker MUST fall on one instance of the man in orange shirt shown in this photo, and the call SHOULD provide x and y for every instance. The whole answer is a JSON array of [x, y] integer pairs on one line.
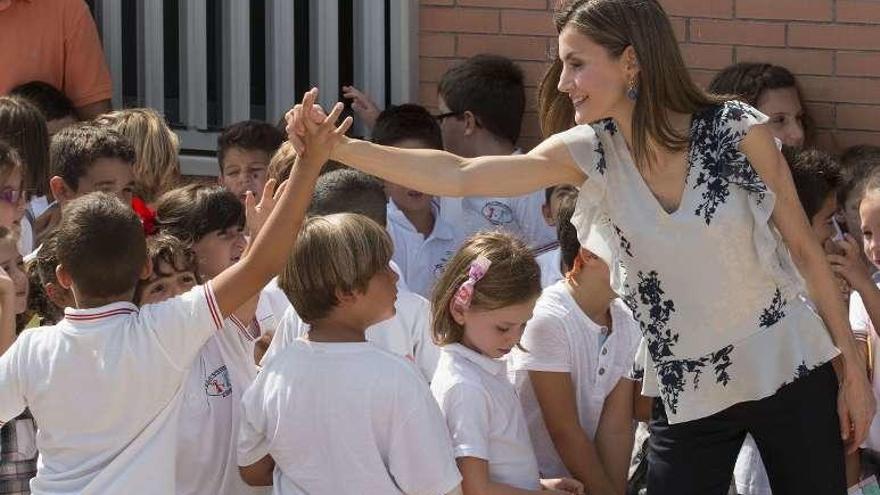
[[55, 41]]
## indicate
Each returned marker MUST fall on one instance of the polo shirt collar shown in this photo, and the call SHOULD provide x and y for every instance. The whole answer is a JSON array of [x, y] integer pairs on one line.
[[490, 365], [93, 316]]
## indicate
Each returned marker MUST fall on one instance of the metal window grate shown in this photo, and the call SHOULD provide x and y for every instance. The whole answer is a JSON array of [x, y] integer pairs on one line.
[[205, 64]]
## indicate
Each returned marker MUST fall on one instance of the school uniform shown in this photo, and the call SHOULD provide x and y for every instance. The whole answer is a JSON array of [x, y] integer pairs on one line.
[[422, 259], [346, 418], [210, 414], [406, 334], [105, 387], [484, 415], [561, 338], [550, 263]]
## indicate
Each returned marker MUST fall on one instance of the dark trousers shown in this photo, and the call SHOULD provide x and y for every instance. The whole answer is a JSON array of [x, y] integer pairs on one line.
[[797, 432]]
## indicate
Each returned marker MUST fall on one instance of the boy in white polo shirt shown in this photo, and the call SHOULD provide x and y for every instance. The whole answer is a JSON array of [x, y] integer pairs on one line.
[[550, 258], [572, 377], [104, 385], [336, 413], [408, 332], [424, 237]]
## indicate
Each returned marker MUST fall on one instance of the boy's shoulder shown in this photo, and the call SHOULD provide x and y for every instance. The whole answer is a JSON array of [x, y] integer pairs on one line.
[[555, 302]]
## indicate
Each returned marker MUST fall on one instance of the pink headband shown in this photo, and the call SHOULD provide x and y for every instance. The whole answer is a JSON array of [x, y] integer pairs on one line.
[[477, 271]]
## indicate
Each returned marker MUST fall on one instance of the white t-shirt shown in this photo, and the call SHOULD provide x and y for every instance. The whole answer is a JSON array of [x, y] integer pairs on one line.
[[346, 418], [484, 416], [407, 333], [561, 338], [422, 259], [105, 387], [210, 414], [861, 324], [550, 263], [520, 216]]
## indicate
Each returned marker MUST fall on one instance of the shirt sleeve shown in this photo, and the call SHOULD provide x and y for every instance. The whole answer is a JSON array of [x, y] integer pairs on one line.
[[425, 353], [545, 346], [12, 401], [586, 150], [738, 117], [86, 76], [416, 469], [183, 324], [253, 444], [858, 316], [466, 409]]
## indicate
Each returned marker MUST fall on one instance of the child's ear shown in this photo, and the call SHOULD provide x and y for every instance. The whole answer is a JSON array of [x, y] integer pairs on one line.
[[64, 279], [60, 190], [470, 123], [545, 211], [456, 311], [346, 298], [147, 270]]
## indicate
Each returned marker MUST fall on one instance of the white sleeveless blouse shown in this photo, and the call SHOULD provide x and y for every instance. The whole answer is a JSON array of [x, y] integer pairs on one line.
[[720, 303]]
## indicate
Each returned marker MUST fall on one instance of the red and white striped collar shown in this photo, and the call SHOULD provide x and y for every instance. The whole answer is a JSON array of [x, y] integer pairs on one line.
[[100, 314]]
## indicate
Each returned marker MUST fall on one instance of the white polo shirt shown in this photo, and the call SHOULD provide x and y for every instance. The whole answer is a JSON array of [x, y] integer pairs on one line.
[[422, 259], [550, 263], [407, 333], [561, 338], [105, 387], [520, 216], [346, 418], [484, 416]]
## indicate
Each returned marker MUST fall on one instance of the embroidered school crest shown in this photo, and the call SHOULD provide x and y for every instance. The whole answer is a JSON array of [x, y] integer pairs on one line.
[[218, 384], [497, 213]]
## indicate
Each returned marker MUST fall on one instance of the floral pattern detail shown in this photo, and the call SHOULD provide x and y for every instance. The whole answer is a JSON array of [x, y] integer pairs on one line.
[[773, 313], [624, 242], [672, 374], [609, 126], [601, 164], [715, 153]]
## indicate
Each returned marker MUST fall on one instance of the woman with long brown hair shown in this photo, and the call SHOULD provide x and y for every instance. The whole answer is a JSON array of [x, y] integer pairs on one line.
[[689, 201]]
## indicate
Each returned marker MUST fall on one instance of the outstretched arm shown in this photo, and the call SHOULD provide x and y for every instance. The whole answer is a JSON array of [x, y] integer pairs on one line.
[[444, 174]]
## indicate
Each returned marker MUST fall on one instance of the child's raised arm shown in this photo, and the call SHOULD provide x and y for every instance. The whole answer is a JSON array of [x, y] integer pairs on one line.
[[270, 249]]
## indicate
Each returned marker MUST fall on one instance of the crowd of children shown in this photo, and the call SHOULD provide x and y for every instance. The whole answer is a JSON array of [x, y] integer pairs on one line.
[[303, 327]]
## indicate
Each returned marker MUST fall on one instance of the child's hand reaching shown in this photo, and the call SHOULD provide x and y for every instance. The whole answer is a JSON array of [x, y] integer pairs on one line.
[[257, 214], [296, 127], [851, 264], [563, 485], [362, 105]]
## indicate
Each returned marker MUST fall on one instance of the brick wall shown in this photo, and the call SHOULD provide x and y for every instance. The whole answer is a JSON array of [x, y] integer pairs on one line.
[[833, 46]]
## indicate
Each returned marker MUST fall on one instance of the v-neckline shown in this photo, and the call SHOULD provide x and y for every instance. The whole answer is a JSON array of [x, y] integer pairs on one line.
[[643, 184]]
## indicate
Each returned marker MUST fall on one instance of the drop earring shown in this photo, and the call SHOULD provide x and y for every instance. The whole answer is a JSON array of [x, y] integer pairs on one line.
[[633, 91]]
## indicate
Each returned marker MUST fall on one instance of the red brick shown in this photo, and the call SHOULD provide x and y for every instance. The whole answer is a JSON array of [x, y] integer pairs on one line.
[[513, 4], [428, 95], [840, 89], [515, 47], [531, 127], [737, 32], [858, 11], [432, 69], [707, 56], [679, 25], [801, 10], [858, 64], [534, 71], [436, 45], [844, 139], [699, 8], [834, 36], [822, 114], [859, 117], [819, 62], [702, 77], [527, 22], [459, 20]]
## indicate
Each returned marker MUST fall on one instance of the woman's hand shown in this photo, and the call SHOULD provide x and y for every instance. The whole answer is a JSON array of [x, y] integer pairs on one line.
[[563, 485], [855, 405]]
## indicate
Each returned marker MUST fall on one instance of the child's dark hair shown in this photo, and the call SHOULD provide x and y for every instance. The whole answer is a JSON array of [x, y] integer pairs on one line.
[[333, 253], [491, 87], [167, 250], [512, 278], [350, 191], [23, 126], [569, 189], [41, 272], [10, 160], [76, 148], [191, 212], [856, 164], [249, 135], [747, 81], [816, 177], [407, 121], [100, 243], [48, 99], [569, 245]]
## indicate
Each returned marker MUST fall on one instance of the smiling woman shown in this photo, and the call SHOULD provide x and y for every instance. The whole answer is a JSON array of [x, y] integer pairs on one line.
[[669, 173]]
